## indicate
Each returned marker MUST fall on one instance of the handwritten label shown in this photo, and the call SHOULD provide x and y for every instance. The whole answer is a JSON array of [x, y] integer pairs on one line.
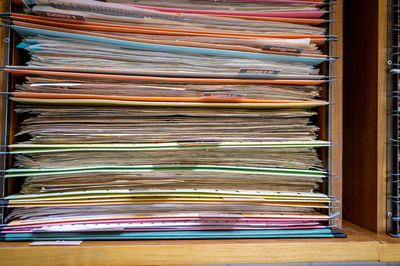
[[259, 71], [223, 96], [274, 48], [60, 15]]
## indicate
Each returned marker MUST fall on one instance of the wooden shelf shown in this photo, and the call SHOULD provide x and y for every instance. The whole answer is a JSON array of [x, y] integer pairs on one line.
[[389, 248], [361, 245], [364, 202]]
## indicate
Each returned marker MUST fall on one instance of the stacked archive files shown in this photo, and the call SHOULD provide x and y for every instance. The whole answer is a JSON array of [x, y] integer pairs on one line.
[[182, 119]]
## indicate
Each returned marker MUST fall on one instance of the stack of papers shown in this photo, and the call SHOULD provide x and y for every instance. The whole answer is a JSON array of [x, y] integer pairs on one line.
[[169, 120]]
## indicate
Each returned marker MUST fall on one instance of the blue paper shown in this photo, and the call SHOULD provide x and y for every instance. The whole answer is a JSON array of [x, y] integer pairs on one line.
[[167, 48]]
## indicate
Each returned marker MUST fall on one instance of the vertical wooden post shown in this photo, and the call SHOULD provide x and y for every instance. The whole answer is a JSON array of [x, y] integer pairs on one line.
[[337, 107], [364, 158]]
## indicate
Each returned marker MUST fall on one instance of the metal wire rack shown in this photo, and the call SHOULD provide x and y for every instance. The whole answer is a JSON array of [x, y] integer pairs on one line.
[[5, 110], [393, 162]]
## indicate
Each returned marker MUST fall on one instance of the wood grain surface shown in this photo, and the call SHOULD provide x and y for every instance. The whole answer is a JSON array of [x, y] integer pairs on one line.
[[364, 120], [359, 246], [389, 248], [337, 111]]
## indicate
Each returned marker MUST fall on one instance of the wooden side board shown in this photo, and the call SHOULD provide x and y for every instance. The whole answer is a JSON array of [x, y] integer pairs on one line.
[[389, 248], [337, 111], [382, 117], [364, 120], [359, 246]]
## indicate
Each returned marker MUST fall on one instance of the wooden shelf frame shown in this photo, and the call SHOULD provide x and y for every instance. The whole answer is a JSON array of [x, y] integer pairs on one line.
[[365, 110], [361, 245]]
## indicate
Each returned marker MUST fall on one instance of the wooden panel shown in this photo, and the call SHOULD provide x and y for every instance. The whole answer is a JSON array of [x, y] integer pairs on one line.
[[389, 252], [389, 248], [359, 246], [337, 108], [382, 119], [364, 100]]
